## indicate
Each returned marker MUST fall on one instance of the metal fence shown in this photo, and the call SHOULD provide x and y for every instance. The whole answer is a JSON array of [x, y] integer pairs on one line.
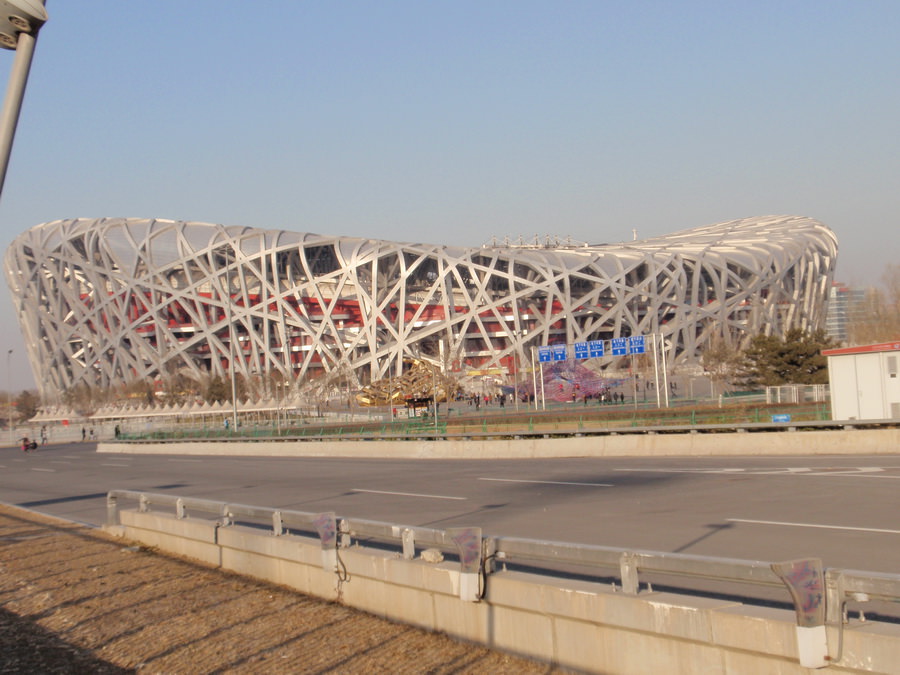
[[529, 428]]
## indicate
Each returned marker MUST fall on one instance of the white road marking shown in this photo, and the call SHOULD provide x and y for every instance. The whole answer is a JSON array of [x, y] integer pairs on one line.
[[856, 472], [406, 494], [185, 460], [119, 465], [683, 470], [861, 472], [546, 482], [821, 527], [34, 468]]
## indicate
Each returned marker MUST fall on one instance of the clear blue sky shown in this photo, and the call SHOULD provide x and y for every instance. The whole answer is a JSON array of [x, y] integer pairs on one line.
[[452, 122]]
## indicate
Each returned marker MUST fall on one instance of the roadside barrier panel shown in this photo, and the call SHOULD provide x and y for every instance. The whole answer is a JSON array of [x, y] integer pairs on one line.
[[519, 595]]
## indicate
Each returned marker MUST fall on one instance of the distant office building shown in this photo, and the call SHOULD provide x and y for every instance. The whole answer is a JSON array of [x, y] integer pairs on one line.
[[107, 301], [845, 306]]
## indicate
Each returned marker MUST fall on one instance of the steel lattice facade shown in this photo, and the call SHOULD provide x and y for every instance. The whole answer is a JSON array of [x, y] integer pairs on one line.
[[107, 301]]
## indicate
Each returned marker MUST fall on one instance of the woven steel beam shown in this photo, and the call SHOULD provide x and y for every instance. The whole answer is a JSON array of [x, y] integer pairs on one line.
[[107, 301]]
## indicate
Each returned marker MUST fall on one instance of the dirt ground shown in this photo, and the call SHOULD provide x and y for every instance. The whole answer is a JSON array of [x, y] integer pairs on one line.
[[73, 600]]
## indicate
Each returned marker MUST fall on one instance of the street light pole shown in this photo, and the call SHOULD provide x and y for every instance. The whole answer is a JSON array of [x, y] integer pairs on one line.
[[434, 397], [231, 350], [23, 18], [9, 396]]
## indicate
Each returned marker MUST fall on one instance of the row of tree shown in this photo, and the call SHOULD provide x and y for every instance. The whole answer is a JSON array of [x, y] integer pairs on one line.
[[770, 360]]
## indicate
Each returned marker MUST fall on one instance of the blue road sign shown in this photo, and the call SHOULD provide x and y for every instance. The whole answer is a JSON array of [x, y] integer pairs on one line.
[[781, 418], [545, 354], [619, 346], [636, 344], [596, 347], [559, 353], [581, 350]]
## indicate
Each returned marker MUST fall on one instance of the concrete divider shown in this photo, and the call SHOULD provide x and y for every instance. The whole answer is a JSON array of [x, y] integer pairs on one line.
[[612, 444], [576, 624]]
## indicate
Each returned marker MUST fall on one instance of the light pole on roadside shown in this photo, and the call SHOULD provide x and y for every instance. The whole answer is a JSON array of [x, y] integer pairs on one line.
[[9, 396], [20, 21], [231, 350]]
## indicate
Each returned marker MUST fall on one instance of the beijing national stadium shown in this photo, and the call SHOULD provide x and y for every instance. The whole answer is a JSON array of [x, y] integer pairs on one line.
[[102, 302]]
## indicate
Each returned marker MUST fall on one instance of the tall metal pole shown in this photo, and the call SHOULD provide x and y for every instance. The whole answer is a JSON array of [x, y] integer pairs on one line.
[[656, 370], [9, 396], [534, 380], [18, 77], [516, 377], [434, 397], [230, 342], [12, 107], [665, 369], [634, 382]]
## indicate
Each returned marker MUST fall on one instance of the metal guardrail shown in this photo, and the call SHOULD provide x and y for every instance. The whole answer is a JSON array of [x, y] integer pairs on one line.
[[841, 585]]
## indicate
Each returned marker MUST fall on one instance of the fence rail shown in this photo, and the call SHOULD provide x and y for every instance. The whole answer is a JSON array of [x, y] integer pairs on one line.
[[841, 586], [531, 429]]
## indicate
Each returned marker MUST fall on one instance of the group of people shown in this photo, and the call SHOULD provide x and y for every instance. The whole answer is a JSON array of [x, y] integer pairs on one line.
[[29, 444], [608, 396]]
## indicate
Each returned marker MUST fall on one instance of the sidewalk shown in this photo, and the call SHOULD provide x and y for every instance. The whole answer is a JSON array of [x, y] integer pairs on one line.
[[73, 600]]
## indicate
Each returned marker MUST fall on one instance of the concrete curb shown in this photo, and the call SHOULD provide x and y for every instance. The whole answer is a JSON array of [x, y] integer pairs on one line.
[[677, 444]]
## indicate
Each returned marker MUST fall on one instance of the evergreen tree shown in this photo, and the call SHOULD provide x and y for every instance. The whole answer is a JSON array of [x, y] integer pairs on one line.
[[795, 358]]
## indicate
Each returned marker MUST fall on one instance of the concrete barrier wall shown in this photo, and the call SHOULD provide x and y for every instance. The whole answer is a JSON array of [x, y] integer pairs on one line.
[[576, 624], [844, 441]]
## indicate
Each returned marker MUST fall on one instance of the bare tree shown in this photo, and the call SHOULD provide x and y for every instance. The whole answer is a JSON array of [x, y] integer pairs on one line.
[[721, 361], [879, 318]]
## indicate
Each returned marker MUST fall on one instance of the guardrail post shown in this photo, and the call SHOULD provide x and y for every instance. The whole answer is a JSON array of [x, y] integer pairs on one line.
[[834, 597], [179, 508], [628, 573], [468, 543], [277, 524], [408, 537], [227, 517], [805, 582], [490, 555], [144, 503], [112, 509], [344, 539]]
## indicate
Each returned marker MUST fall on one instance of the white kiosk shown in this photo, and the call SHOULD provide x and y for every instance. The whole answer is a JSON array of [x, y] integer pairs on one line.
[[865, 383]]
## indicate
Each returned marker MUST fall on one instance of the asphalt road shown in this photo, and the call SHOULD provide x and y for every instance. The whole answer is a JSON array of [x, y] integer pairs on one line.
[[842, 509]]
